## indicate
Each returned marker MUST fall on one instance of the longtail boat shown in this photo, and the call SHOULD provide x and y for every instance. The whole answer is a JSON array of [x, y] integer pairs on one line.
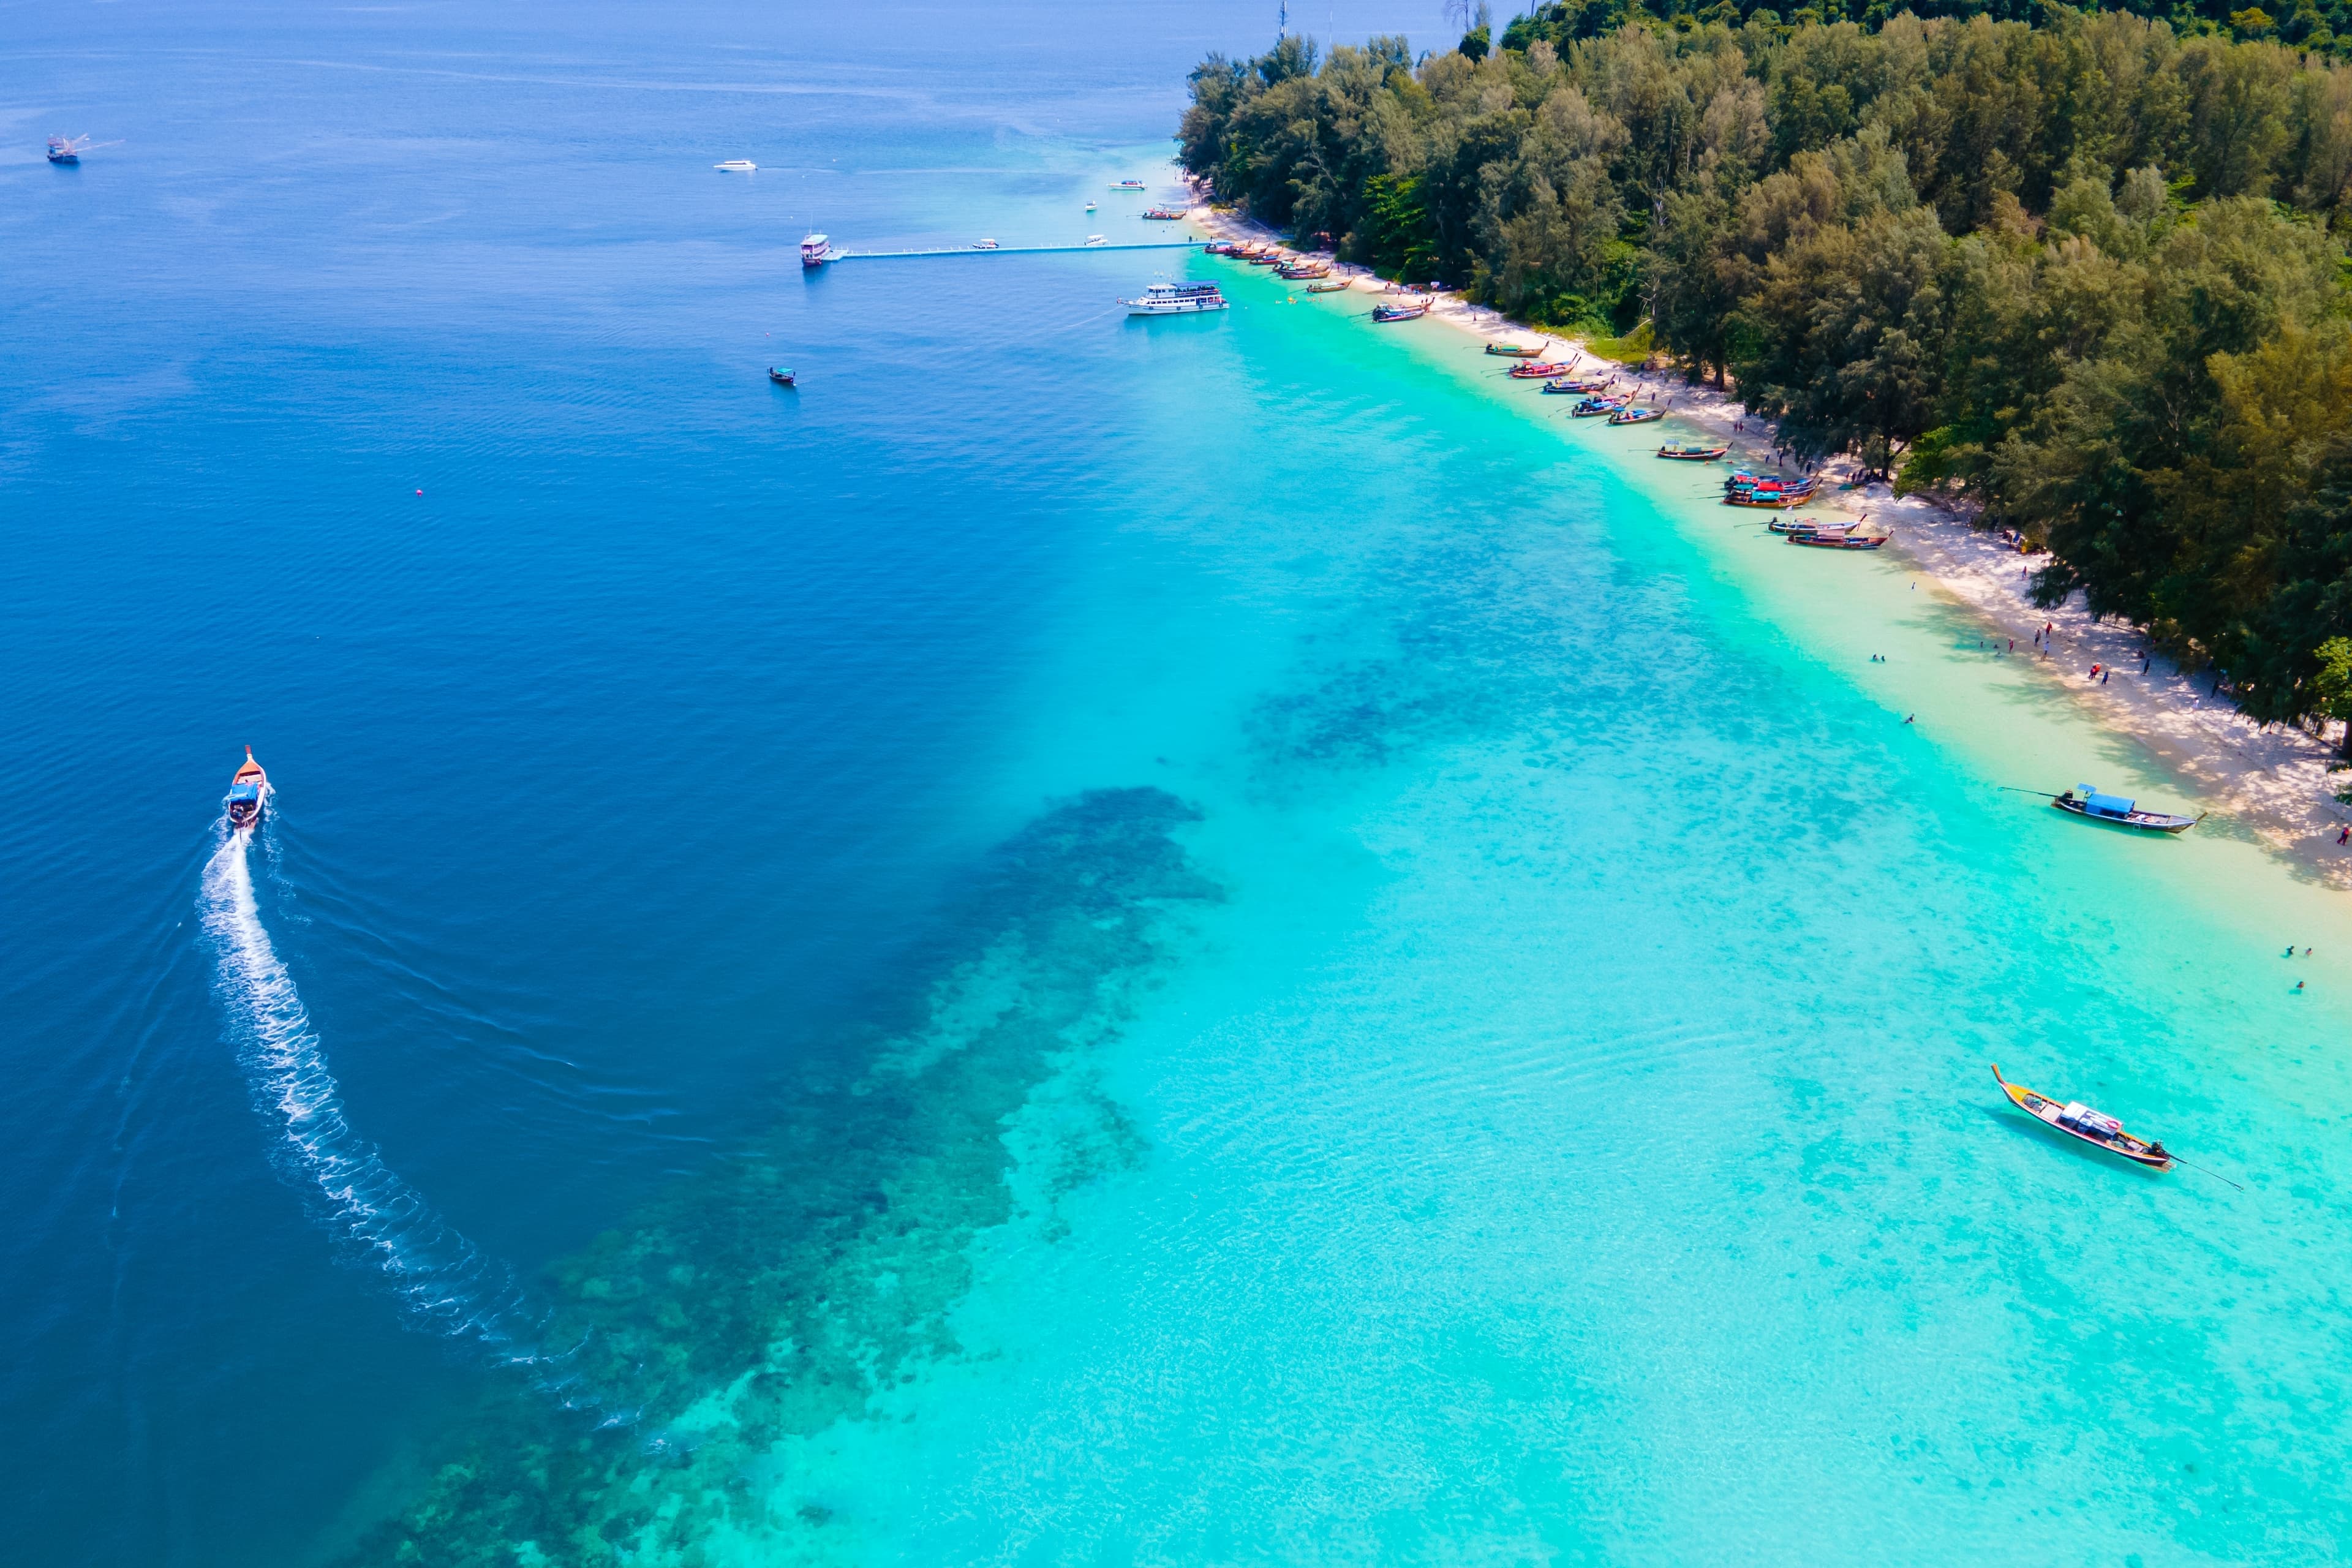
[[1682, 454], [1767, 498], [1220, 247], [1636, 415], [1536, 370], [1515, 350], [1269, 258], [1567, 386], [1837, 536], [1329, 286], [246, 792], [1412, 312], [1592, 405], [2117, 812], [1303, 269], [1164, 214], [2080, 1120]]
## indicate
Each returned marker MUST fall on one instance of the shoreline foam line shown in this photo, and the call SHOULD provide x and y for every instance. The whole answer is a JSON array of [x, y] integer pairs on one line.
[[444, 1283]]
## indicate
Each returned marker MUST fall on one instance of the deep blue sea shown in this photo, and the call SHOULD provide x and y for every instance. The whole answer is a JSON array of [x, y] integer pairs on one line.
[[1081, 941]]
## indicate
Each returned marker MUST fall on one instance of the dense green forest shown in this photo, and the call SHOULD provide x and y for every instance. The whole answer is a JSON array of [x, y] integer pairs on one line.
[[2084, 267]]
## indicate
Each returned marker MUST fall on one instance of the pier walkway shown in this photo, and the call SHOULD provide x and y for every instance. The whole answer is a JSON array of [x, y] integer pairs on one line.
[[1014, 249]]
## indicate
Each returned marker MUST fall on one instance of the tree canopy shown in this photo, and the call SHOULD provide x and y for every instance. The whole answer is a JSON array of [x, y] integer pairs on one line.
[[2084, 268]]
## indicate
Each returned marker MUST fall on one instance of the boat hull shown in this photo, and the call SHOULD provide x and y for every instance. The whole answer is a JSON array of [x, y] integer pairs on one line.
[[2137, 822], [2123, 1145], [1176, 307]]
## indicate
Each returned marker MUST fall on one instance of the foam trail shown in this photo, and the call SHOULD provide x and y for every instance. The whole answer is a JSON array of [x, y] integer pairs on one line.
[[443, 1282]]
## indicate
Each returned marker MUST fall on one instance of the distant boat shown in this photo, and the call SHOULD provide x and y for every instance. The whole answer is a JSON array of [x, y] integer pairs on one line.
[[1568, 386], [2120, 813], [68, 150], [246, 792], [1412, 311], [1177, 299], [816, 250], [1329, 286], [1636, 415], [1129, 185], [1090, 206], [1836, 536], [2080, 1120], [1682, 454], [1164, 214], [780, 377], [737, 165], [983, 244], [1094, 239]]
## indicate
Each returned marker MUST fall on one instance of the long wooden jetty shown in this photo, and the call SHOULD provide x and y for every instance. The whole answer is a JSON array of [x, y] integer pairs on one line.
[[1013, 249]]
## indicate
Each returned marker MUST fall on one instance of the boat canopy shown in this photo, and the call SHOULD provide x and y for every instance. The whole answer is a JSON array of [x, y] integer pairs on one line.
[[245, 792], [2106, 804]]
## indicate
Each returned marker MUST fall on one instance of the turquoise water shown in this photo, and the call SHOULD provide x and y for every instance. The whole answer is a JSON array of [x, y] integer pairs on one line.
[[1088, 940]]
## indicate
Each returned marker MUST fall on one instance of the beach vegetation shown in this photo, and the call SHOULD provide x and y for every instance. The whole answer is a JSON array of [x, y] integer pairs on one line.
[[2084, 270]]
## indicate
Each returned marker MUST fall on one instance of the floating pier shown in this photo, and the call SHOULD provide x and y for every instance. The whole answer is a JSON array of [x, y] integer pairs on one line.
[[1013, 249]]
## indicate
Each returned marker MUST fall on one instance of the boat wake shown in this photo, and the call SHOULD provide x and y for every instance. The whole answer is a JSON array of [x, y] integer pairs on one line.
[[445, 1284]]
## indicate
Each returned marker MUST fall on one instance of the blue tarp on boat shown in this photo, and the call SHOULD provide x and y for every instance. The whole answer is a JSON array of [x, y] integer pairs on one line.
[[245, 792], [2109, 804]]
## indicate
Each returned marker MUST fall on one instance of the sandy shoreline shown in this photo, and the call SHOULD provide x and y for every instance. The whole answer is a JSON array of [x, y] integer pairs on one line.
[[2274, 780]]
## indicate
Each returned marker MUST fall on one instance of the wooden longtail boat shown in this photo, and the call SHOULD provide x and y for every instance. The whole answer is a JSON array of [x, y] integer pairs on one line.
[[1636, 415], [2091, 1126], [1514, 350], [1567, 386], [1164, 214], [1412, 312], [1220, 247], [1331, 286], [780, 377], [1537, 370], [1269, 258], [1303, 269], [1767, 498], [247, 791], [1682, 454], [1594, 406], [2117, 812], [1837, 536]]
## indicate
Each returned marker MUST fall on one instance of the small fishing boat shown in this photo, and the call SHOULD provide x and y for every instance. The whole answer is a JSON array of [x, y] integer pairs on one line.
[[2113, 809], [1177, 299], [1515, 350], [1536, 370], [1790, 524], [737, 167], [1592, 406], [1412, 312], [1331, 286], [1682, 454], [1164, 214], [780, 377], [1636, 415], [2080, 1120], [246, 792], [1767, 498], [1129, 185], [1837, 536]]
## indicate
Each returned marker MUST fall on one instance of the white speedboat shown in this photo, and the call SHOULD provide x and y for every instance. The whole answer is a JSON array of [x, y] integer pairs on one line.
[[1177, 299], [816, 250], [737, 165]]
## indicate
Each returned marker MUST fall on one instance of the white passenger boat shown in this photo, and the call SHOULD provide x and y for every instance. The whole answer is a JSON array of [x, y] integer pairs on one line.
[[737, 165], [1177, 299], [816, 250]]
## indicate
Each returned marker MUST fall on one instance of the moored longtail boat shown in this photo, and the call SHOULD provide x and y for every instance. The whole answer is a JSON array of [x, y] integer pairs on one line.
[[2080, 1120], [1164, 214], [1592, 405], [1682, 454], [1837, 536], [1331, 286], [1636, 415], [1413, 310], [1518, 351], [2117, 812], [1568, 385], [1303, 269], [1536, 370]]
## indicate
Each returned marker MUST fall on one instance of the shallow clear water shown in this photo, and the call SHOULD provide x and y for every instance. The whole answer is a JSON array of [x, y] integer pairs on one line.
[[1088, 940]]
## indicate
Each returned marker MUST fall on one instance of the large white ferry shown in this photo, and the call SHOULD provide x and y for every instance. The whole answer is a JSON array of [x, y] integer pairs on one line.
[[1177, 299], [816, 250]]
